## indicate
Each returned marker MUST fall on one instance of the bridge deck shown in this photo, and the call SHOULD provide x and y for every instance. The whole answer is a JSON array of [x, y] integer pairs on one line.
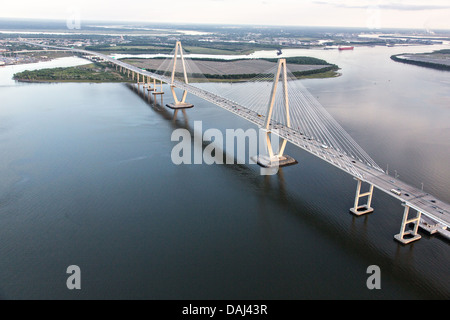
[[413, 197]]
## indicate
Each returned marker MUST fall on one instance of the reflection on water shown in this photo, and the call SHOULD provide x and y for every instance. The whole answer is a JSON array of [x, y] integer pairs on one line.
[[87, 179]]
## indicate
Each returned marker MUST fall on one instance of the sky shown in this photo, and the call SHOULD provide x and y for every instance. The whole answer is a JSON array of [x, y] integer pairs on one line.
[[371, 14]]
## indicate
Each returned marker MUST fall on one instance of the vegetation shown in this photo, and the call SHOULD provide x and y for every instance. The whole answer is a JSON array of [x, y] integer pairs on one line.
[[97, 72], [131, 49], [325, 72], [433, 65], [328, 70], [190, 46], [236, 48], [302, 60], [49, 55], [101, 72], [443, 51]]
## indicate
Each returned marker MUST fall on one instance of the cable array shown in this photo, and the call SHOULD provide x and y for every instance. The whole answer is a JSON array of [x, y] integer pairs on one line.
[[308, 118]]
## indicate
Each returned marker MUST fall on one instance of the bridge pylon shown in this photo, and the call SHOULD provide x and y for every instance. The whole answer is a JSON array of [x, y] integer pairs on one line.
[[278, 158], [179, 49], [179, 104]]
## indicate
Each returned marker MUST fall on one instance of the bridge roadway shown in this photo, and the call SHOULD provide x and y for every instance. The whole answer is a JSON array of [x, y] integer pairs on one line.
[[410, 196]]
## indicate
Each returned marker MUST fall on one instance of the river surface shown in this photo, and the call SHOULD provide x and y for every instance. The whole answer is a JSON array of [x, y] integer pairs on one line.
[[87, 179]]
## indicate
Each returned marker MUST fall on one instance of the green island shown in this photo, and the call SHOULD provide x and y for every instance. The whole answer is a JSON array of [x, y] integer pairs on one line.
[[224, 70], [439, 59], [93, 72]]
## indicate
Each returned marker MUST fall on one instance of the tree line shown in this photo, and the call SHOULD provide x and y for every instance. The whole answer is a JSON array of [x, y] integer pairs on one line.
[[433, 65]]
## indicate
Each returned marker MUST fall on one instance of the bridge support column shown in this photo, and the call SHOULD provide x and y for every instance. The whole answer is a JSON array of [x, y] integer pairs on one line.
[[408, 236], [149, 86], [365, 208], [277, 159], [179, 105], [154, 88], [139, 81]]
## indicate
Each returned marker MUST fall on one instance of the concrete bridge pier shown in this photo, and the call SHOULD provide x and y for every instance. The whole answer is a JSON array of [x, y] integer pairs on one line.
[[149, 85], [358, 209], [179, 105], [150, 89], [155, 91], [139, 82], [408, 236]]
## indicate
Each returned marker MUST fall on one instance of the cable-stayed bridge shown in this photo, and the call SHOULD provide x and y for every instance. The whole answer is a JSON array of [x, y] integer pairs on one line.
[[281, 106]]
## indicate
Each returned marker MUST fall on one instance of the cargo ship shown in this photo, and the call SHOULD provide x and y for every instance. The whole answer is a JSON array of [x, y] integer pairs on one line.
[[346, 48]]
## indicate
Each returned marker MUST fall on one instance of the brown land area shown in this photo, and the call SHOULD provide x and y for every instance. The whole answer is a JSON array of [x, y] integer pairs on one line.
[[236, 67]]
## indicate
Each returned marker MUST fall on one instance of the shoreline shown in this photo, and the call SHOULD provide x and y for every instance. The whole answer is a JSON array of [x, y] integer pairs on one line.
[[426, 64], [69, 81], [33, 57], [322, 75], [102, 73]]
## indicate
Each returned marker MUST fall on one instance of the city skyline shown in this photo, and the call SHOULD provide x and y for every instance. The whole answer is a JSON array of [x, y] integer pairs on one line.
[[347, 13]]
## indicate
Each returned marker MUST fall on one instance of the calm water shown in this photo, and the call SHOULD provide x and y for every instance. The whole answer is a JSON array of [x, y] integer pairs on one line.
[[87, 179]]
